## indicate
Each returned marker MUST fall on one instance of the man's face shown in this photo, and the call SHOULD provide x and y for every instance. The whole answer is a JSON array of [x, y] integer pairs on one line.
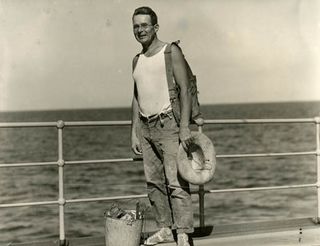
[[143, 30]]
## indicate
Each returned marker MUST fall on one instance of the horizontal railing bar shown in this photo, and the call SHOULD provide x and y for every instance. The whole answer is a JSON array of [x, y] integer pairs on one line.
[[98, 123], [111, 198], [253, 121], [140, 159], [27, 124], [28, 164], [267, 154], [128, 122], [262, 188], [103, 161], [13, 205]]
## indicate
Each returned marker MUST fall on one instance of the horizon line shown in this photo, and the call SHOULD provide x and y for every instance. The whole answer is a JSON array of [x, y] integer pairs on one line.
[[123, 107]]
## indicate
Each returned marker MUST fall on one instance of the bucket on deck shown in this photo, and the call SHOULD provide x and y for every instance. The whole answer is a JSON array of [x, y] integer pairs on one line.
[[123, 227], [121, 233]]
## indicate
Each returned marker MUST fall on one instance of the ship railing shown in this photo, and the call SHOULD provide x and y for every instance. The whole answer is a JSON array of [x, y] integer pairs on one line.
[[61, 162]]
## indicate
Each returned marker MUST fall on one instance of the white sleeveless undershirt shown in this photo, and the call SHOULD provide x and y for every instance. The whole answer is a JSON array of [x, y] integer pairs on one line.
[[151, 80]]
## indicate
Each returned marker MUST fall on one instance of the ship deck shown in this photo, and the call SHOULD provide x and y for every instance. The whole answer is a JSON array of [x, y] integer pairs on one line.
[[290, 232]]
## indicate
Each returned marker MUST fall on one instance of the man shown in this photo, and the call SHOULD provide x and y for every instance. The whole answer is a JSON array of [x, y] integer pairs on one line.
[[155, 132]]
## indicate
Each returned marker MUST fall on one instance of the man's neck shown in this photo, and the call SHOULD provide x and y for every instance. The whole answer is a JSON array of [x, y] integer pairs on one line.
[[152, 46]]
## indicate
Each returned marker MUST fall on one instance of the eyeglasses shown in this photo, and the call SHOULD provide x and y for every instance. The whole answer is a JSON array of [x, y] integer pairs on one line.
[[143, 26]]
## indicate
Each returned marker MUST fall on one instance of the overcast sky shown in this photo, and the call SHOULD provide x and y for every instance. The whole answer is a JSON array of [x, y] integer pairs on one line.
[[77, 53]]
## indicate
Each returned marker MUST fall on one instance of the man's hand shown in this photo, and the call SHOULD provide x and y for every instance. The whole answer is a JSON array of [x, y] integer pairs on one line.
[[185, 138], [135, 145]]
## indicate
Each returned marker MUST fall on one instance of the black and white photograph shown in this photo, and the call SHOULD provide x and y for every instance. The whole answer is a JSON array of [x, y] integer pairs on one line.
[[174, 123]]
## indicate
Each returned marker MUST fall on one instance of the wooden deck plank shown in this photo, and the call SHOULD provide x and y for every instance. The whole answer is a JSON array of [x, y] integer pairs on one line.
[[272, 233], [309, 237]]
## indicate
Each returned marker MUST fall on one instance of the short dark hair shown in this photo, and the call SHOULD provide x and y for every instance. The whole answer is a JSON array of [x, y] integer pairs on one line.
[[147, 11]]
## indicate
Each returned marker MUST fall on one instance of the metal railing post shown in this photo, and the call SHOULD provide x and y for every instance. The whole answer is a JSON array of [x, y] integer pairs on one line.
[[201, 191], [62, 200], [201, 206], [317, 120]]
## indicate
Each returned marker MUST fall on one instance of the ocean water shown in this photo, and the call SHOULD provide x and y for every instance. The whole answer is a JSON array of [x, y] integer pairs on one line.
[[97, 180]]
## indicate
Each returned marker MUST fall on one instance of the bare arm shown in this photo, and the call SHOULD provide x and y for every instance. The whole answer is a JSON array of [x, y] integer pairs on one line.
[[181, 78], [135, 143]]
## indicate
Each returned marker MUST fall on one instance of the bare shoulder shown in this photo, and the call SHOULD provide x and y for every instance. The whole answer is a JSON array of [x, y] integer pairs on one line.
[[176, 52], [175, 49], [134, 61], [135, 58]]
